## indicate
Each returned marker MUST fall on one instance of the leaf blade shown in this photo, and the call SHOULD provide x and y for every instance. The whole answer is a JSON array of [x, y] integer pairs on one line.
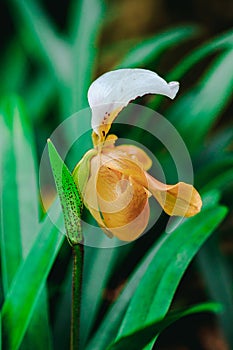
[[157, 287], [85, 28], [151, 48], [206, 100], [140, 338], [18, 235], [223, 41], [69, 195], [32, 273], [38, 29]]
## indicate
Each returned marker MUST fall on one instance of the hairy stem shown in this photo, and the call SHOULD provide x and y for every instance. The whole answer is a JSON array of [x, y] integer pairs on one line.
[[78, 255]]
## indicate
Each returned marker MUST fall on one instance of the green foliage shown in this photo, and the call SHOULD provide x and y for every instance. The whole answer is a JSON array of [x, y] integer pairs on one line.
[[51, 69], [158, 285], [150, 289], [207, 101], [28, 283], [19, 224], [150, 49], [69, 195], [139, 339], [223, 41]]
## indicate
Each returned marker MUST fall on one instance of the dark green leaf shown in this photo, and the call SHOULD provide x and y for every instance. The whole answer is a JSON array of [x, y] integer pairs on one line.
[[110, 325], [151, 48], [85, 29], [38, 334], [29, 281], [223, 41], [158, 285], [40, 94], [221, 182], [98, 268], [11, 245], [211, 198], [18, 153], [218, 279], [40, 36], [0, 332], [141, 337], [216, 167], [108, 328], [13, 68], [198, 110]]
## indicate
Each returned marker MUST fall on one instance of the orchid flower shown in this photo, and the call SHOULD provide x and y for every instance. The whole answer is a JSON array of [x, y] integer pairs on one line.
[[113, 180]]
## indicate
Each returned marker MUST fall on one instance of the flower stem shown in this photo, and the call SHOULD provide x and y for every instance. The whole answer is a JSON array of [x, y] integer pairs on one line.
[[78, 254]]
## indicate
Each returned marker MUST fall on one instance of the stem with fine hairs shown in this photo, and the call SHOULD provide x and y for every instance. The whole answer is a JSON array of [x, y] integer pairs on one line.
[[78, 255]]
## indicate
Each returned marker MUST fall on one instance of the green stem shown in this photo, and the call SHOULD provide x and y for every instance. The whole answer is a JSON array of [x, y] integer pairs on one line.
[[78, 255]]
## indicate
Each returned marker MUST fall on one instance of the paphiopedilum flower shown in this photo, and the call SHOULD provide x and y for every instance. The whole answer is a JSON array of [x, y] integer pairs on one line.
[[113, 180]]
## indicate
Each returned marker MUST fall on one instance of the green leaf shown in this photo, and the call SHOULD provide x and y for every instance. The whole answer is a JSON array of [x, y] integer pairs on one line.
[[157, 287], [207, 102], [108, 328], [141, 337], [38, 334], [218, 144], [61, 334], [210, 199], [70, 198], [216, 167], [110, 325], [218, 280], [13, 68], [151, 48], [0, 332], [11, 245], [98, 268], [19, 174], [40, 36], [26, 177], [40, 94], [223, 41], [30, 279], [221, 182], [85, 29]]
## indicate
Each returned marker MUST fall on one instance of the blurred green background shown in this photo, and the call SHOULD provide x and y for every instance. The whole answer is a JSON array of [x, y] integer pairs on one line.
[[50, 53]]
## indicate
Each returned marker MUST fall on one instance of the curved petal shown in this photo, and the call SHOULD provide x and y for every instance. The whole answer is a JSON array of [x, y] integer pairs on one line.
[[180, 200], [136, 153], [90, 196], [112, 91], [125, 165], [135, 228], [123, 204]]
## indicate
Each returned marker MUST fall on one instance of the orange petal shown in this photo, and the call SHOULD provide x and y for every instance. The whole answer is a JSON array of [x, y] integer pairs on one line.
[[136, 153], [180, 200], [123, 204], [90, 196], [135, 228], [125, 165]]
